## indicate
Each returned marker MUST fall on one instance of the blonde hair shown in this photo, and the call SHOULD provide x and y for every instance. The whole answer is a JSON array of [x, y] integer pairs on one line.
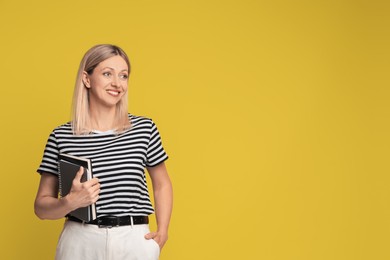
[[81, 121]]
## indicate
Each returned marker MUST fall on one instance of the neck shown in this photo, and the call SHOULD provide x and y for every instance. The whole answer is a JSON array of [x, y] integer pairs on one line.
[[103, 119]]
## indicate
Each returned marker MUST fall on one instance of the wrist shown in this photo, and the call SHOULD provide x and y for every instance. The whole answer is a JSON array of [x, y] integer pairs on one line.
[[67, 202], [162, 230]]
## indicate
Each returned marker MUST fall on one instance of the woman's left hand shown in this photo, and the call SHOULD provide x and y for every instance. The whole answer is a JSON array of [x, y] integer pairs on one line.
[[160, 237]]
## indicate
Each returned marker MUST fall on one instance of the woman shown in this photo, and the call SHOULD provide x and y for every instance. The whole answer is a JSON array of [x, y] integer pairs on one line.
[[120, 146]]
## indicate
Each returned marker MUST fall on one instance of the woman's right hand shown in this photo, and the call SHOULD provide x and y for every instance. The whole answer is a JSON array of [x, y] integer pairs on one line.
[[83, 194]]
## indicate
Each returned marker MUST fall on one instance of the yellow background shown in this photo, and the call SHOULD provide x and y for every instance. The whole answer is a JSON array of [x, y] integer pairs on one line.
[[275, 115]]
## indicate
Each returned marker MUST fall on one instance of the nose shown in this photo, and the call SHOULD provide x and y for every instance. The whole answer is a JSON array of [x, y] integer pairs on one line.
[[115, 81]]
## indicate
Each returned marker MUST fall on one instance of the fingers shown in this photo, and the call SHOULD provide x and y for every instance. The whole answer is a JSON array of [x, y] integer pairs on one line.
[[79, 174], [89, 183], [160, 239], [92, 183], [95, 192], [150, 235], [86, 196], [89, 188]]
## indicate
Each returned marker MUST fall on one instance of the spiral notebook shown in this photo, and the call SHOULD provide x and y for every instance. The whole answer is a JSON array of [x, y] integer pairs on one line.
[[69, 165]]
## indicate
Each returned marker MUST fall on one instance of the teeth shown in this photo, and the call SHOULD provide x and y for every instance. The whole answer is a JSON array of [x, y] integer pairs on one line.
[[115, 93]]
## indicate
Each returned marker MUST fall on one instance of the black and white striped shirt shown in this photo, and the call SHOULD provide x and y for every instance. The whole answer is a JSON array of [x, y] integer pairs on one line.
[[118, 161]]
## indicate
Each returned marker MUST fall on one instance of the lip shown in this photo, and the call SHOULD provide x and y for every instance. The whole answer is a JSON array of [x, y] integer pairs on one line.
[[113, 92]]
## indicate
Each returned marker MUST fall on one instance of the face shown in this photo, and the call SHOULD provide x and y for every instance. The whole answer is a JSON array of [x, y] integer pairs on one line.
[[108, 82]]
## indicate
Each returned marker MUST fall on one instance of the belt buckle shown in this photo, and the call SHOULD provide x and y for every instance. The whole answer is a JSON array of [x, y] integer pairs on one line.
[[114, 222]]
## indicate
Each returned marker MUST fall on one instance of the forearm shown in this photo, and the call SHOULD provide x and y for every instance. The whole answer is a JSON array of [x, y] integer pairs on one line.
[[163, 197], [48, 207]]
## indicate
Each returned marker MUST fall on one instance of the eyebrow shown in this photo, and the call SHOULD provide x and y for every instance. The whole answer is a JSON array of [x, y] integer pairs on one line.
[[112, 68]]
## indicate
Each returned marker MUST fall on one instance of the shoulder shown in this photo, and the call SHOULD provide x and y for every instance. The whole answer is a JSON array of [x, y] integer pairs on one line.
[[140, 120], [64, 129], [143, 123]]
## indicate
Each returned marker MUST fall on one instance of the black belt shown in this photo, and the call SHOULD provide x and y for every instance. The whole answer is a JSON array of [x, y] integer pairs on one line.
[[112, 221]]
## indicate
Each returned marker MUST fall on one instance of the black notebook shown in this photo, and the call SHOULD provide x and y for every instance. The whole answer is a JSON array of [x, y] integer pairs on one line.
[[69, 165]]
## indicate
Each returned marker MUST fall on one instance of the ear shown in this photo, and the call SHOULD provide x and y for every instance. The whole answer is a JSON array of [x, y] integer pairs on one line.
[[86, 80]]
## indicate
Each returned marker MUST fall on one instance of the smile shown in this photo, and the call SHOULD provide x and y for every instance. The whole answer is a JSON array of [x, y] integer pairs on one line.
[[113, 92]]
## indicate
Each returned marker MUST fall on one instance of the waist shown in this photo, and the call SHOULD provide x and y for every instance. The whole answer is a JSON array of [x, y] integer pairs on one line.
[[112, 221]]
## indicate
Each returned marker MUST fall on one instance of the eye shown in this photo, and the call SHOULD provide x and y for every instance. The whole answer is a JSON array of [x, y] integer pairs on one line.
[[124, 76], [107, 74]]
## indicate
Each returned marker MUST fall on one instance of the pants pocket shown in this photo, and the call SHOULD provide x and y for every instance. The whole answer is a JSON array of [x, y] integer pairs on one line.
[[151, 245]]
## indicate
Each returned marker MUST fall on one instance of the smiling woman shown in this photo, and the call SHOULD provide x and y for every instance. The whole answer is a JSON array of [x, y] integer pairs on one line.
[[104, 70], [120, 146], [107, 85]]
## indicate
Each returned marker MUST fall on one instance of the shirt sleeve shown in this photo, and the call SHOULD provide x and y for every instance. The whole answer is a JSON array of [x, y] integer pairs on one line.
[[49, 163], [155, 152]]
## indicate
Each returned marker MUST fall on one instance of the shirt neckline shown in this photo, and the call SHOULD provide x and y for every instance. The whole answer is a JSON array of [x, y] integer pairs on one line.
[[111, 131]]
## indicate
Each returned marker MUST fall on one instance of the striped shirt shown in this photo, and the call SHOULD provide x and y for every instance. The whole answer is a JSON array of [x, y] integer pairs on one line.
[[118, 161]]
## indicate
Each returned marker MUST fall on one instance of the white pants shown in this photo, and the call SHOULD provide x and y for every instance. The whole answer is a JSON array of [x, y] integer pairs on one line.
[[89, 242]]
